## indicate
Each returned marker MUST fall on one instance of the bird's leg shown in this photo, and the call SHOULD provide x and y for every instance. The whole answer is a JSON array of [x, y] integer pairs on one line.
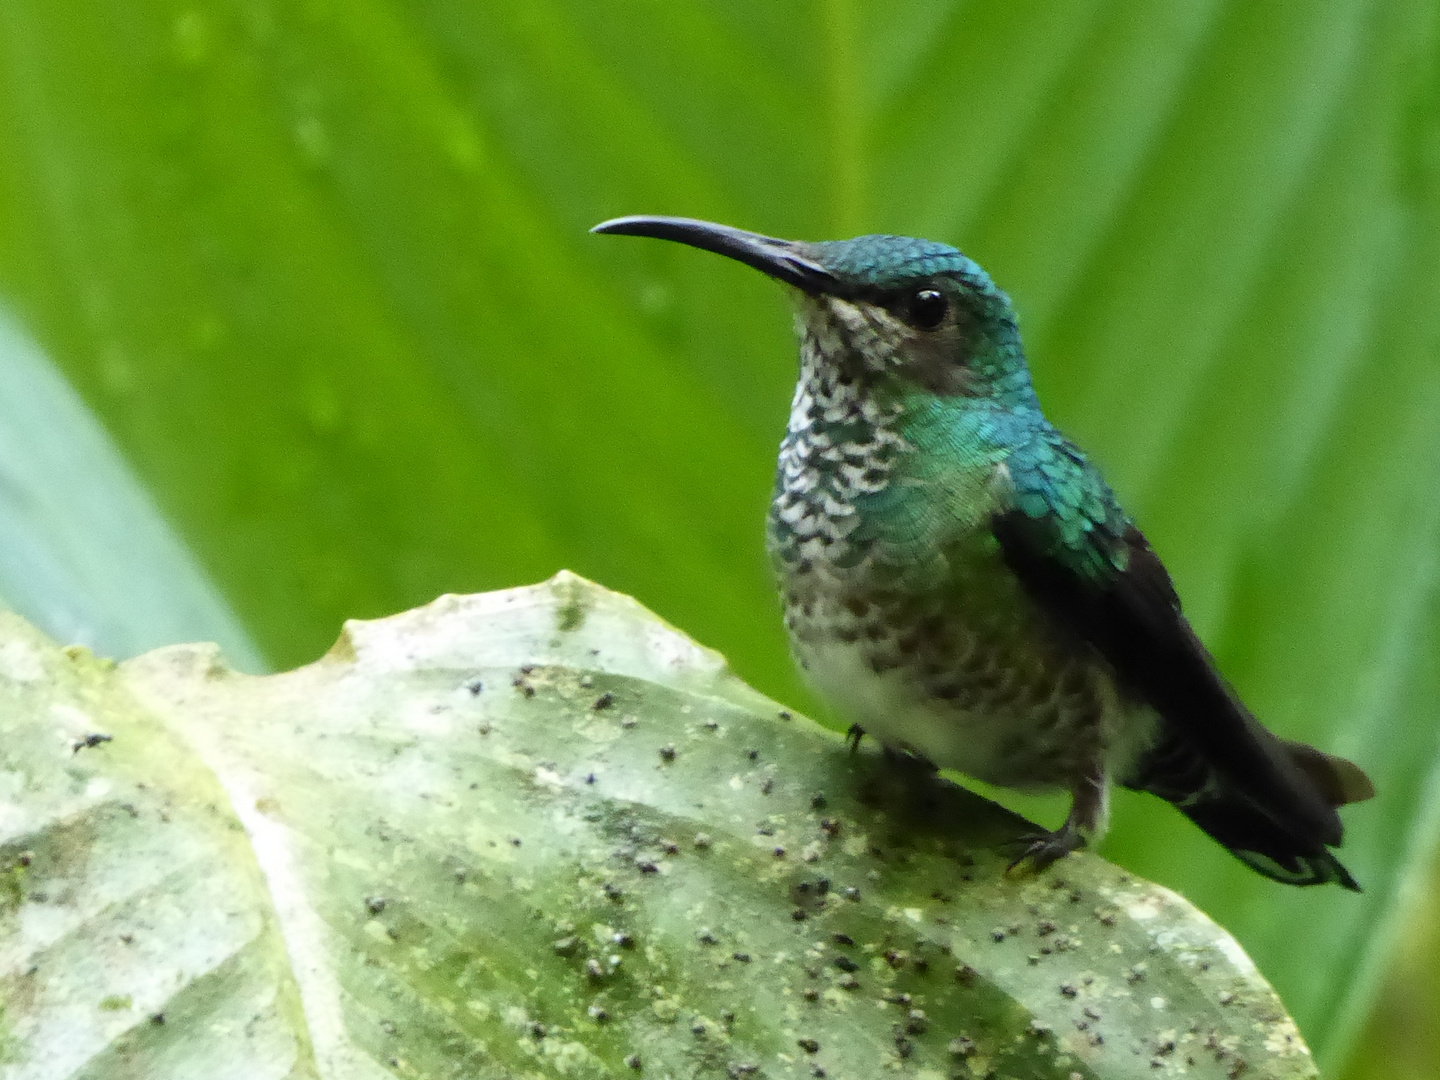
[[1089, 811], [853, 736]]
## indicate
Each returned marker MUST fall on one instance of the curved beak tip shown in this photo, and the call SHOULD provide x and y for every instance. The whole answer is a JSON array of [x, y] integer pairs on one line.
[[612, 225]]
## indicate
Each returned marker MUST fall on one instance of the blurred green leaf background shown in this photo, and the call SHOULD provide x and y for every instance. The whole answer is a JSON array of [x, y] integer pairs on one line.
[[301, 322]]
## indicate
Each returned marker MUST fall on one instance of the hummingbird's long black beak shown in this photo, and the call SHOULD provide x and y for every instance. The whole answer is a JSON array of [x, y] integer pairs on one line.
[[788, 260]]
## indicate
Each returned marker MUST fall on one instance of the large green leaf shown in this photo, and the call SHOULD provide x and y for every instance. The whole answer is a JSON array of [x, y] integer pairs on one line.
[[321, 268], [86, 554], [541, 833]]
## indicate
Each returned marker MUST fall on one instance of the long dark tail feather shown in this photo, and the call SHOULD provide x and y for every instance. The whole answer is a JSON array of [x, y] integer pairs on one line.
[[1176, 772], [1260, 843], [1339, 780]]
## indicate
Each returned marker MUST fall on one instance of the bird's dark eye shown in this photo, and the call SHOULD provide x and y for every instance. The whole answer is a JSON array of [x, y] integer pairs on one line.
[[927, 309]]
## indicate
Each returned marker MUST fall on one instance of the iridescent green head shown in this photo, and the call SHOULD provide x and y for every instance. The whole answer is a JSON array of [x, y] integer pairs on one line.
[[880, 306]]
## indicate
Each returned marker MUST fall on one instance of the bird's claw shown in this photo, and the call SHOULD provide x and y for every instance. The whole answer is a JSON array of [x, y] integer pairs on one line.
[[853, 736], [1042, 849]]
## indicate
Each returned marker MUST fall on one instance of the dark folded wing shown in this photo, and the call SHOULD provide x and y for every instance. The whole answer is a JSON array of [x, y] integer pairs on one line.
[[1103, 584]]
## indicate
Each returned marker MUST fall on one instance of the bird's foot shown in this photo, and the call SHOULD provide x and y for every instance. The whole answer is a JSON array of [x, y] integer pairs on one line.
[[1042, 849], [853, 737]]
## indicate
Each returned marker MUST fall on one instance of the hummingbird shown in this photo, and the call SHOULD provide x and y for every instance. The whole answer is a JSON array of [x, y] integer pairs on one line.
[[959, 581]]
